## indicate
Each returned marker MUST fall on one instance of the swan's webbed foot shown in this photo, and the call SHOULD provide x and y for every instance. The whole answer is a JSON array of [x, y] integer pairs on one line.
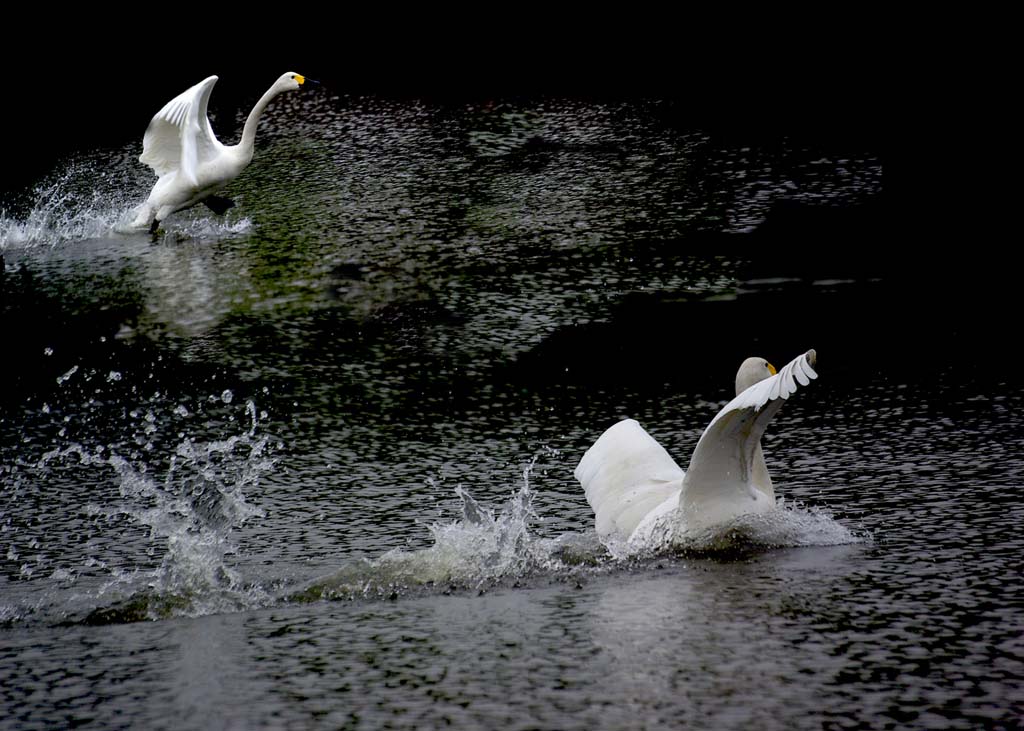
[[218, 204], [153, 228]]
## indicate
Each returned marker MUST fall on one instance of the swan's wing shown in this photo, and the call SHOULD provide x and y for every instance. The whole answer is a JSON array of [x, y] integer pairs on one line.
[[626, 475], [720, 469], [180, 137]]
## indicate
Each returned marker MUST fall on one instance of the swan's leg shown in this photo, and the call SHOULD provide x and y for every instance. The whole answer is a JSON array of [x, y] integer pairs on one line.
[[144, 216], [161, 214]]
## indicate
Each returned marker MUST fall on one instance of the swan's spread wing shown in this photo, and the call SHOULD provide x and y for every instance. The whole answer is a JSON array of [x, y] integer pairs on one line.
[[719, 480], [626, 475], [180, 137]]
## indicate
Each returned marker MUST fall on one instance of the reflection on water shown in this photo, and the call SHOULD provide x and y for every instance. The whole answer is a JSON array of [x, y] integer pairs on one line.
[[420, 301]]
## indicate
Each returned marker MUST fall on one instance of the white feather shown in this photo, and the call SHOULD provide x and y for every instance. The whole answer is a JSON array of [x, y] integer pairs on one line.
[[179, 137], [631, 482], [626, 475]]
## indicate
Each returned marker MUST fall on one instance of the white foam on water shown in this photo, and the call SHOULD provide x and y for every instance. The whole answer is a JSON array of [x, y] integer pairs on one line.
[[788, 525]]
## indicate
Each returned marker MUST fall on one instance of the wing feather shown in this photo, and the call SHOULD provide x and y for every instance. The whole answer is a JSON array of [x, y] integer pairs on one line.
[[180, 137], [802, 375], [782, 385], [626, 474]]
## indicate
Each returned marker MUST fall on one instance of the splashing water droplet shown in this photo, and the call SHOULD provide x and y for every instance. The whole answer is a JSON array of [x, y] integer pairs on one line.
[[61, 380], [191, 502], [484, 546]]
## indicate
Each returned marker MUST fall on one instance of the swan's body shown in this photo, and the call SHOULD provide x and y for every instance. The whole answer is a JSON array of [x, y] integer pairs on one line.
[[187, 157], [635, 487]]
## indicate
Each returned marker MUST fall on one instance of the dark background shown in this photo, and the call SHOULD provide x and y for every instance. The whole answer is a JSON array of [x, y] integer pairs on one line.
[[96, 77]]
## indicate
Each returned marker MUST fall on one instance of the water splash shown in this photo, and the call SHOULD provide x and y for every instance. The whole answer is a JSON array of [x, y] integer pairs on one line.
[[482, 547], [201, 499], [77, 203], [485, 547], [191, 513]]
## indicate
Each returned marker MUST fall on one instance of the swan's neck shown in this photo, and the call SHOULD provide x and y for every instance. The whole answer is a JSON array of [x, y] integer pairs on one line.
[[759, 476], [245, 147]]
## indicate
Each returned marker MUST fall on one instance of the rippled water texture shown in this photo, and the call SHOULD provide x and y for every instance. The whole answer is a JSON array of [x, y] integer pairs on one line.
[[309, 465]]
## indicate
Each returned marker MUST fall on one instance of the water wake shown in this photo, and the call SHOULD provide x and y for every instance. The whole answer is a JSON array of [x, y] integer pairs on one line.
[[485, 548], [195, 506]]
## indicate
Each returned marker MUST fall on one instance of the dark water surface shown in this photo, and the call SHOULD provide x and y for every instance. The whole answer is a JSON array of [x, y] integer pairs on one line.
[[253, 434]]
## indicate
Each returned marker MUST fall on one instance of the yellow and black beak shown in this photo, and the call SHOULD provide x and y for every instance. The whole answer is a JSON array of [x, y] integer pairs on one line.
[[771, 368], [300, 80]]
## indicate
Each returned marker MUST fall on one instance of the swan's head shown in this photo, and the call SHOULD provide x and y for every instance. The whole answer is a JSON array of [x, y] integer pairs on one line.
[[291, 81], [753, 370]]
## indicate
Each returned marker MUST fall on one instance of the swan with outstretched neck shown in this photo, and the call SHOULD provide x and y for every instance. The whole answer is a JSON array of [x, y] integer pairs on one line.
[[190, 162], [635, 488]]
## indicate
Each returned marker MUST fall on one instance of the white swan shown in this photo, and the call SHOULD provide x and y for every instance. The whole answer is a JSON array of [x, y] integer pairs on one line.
[[187, 157], [635, 487]]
